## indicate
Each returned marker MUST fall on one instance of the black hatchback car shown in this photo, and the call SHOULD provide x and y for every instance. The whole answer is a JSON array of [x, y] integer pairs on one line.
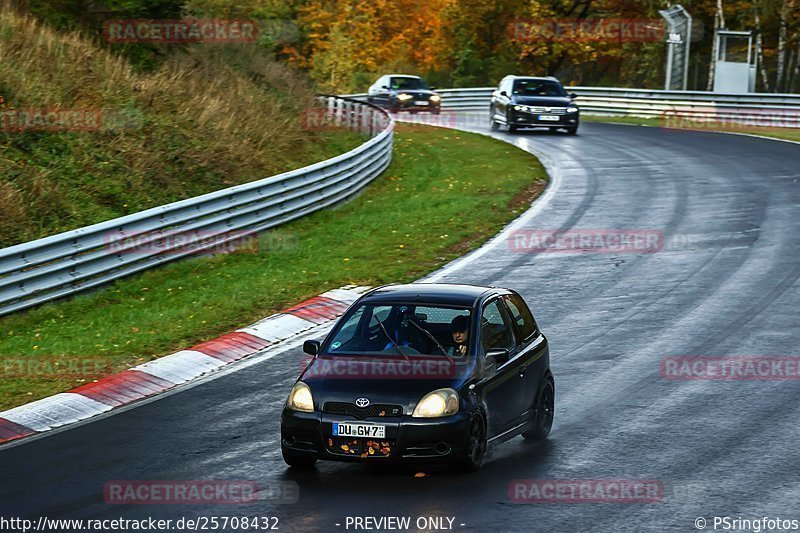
[[421, 373], [526, 102], [399, 92]]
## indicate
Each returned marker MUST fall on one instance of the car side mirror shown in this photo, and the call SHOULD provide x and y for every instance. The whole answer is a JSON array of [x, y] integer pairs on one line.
[[311, 347], [573, 95], [499, 355], [503, 93], [385, 87]]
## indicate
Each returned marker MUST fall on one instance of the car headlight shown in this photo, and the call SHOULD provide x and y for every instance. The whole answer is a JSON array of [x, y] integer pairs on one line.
[[518, 108], [435, 98], [404, 97], [300, 398], [572, 110], [441, 402]]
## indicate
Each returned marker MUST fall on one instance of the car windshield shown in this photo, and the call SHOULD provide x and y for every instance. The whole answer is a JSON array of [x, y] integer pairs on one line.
[[402, 329], [410, 84], [538, 88]]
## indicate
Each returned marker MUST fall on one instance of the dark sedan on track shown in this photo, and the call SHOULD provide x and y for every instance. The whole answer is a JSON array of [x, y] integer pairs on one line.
[[527, 102], [399, 92], [421, 373]]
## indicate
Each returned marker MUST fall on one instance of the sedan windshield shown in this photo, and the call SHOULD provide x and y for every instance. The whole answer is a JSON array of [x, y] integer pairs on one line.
[[538, 88], [403, 329], [408, 84]]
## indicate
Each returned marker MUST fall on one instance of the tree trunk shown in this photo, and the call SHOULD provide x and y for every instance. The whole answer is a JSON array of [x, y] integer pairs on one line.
[[719, 22], [796, 73], [781, 49], [760, 49]]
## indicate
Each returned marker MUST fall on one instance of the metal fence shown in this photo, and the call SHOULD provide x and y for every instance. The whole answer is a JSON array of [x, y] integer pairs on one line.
[[758, 109], [74, 261]]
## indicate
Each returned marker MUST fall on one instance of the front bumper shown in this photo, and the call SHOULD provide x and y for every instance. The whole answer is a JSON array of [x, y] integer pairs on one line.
[[415, 105], [525, 118], [407, 439]]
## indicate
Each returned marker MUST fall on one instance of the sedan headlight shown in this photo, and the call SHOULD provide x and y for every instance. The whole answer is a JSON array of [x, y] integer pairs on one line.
[[518, 107], [435, 98], [300, 398], [572, 110], [404, 97], [441, 402]]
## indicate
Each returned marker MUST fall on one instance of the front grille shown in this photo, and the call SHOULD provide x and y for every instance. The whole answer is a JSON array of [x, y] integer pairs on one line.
[[543, 110], [351, 409]]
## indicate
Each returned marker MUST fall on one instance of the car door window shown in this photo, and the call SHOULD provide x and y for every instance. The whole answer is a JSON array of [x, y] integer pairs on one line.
[[521, 315], [495, 328]]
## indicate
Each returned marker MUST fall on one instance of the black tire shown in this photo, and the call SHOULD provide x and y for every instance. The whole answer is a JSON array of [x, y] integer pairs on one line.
[[493, 125], [572, 131], [545, 411], [476, 448], [299, 461], [511, 127]]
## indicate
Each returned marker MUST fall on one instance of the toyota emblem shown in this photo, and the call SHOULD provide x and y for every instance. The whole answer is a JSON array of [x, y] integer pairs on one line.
[[362, 402]]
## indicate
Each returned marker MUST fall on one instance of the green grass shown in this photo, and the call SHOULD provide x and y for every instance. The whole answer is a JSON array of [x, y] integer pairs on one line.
[[445, 192], [778, 133]]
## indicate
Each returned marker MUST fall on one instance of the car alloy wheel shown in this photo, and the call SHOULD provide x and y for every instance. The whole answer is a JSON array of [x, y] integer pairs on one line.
[[476, 448]]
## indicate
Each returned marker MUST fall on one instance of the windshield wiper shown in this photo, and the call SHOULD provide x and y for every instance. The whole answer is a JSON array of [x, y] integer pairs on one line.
[[431, 337]]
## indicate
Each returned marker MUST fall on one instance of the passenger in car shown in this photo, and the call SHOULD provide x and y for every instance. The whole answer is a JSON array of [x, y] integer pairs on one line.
[[459, 328]]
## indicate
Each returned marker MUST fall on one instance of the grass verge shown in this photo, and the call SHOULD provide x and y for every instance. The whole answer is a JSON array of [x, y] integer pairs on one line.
[[777, 133], [210, 117], [445, 192]]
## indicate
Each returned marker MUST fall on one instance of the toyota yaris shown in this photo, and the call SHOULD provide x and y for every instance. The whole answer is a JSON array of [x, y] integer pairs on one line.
[[421, 373]]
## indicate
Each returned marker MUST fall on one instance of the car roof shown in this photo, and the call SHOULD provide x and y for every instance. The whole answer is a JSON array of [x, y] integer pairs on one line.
[[402, 76], [549, 78], [430, 293]]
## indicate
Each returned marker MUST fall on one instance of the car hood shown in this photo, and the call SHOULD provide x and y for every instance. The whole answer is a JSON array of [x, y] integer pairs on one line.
[[546, 101], [382, 379]]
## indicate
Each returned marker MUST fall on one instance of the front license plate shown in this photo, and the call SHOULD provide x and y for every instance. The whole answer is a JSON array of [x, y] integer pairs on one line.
[[549, 118], [359, 430], [420, 102]]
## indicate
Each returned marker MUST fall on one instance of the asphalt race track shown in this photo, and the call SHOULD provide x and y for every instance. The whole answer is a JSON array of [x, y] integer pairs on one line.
[[725, 283]]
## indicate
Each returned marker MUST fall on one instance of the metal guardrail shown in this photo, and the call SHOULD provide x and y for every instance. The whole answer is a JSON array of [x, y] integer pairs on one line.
[[760, 109], [60, 265]]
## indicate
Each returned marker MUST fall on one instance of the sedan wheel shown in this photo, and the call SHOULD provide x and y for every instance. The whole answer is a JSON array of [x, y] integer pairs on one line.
[[492, 122], [476, 448], [544, 414]]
